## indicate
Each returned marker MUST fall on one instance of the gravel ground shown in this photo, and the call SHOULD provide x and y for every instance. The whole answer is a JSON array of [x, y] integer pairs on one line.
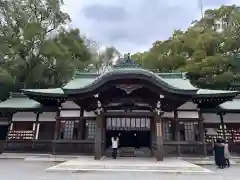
[[25, 170]]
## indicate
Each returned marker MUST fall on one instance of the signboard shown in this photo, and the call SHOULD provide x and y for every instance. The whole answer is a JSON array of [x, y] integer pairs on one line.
[[159, 129]]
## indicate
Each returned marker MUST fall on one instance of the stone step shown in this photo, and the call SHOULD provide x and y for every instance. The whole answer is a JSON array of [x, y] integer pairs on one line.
[[205, 161], [208, 162], [177, 166], [48, 159], [75, 167], [127, 169]]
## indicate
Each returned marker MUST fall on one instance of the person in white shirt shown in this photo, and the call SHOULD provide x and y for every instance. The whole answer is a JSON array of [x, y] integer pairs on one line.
[[115, 142]]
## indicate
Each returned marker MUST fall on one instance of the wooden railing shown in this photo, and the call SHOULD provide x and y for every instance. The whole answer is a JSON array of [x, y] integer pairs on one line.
[[183, 148], [86, 147], [50, 146]]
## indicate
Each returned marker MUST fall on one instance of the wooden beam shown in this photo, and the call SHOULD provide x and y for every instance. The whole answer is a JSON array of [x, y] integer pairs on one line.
[[128, 114], [76, 118], [125, 106]]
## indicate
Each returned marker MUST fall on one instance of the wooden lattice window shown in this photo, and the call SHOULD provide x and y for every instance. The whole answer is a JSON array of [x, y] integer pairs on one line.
[[167, 125], [90, 129], [188, 131]]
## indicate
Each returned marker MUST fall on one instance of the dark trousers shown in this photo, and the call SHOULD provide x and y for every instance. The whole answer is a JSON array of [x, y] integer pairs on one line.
[[227, 162], [114, 153]]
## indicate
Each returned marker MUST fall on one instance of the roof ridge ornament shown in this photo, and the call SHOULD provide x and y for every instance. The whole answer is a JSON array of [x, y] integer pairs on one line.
[[126, 62]]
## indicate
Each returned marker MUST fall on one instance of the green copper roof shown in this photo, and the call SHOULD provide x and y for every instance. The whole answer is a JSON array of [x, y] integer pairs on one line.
[[81, 81], [175, 83], [20, 103], [173, 80], [209, 92], [25, 104], [87, 84], [53, 92], [231, 105], [177, 80]]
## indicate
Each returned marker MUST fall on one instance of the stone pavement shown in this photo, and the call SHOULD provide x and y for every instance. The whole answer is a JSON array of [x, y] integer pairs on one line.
[[129, 164], [12, 169], [235, 160], [208, 160], [38, 157]]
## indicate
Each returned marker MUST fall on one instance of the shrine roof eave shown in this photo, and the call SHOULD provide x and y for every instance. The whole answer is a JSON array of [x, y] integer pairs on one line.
[[226, 107], [51, 93], [208, 93], [220, 110], [86, 84], [18, 104]]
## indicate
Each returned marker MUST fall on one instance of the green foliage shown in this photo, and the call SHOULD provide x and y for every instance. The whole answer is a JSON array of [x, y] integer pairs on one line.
[[206, 50], [36, 49], [103, 60]]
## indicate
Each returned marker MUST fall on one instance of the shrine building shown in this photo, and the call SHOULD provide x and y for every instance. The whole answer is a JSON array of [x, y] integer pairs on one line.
[[153, 114]]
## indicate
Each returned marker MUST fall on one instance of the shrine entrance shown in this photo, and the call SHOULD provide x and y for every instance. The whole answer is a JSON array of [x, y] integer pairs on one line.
[[134, 135]]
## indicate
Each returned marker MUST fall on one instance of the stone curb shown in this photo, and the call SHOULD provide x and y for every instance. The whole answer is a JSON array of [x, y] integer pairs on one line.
[[200, 163], [62, 158], [128, 170]]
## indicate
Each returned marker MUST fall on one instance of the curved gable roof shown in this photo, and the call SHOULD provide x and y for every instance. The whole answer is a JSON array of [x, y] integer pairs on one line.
[[89, 83], [175, 83], [171, 82]]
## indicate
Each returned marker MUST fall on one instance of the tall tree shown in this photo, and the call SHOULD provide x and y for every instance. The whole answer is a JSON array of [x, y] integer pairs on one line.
[[36, 48], [104, 59], [207, 50]]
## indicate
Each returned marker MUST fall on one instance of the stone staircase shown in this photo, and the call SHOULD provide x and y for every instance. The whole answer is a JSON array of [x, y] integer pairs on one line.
[[130, 152]]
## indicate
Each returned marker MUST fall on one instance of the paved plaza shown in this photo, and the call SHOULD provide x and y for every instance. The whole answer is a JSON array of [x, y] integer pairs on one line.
[[87, 163], [27, 170]]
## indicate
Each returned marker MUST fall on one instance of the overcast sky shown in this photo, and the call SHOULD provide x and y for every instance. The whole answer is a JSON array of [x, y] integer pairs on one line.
[[133, 25]]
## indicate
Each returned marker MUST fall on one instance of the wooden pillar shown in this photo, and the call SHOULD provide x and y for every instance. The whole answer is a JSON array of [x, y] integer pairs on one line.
[[153, 135], [159, 138], [36, 125], [35, 128], [98, 137], [81, 125], [202, 132], [178, 135], [223, 125], [10, 128], [56, 131], [104, 125], [57, 125]]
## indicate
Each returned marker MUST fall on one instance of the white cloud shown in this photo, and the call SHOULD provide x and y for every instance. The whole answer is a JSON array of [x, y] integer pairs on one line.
[[133, 25]]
